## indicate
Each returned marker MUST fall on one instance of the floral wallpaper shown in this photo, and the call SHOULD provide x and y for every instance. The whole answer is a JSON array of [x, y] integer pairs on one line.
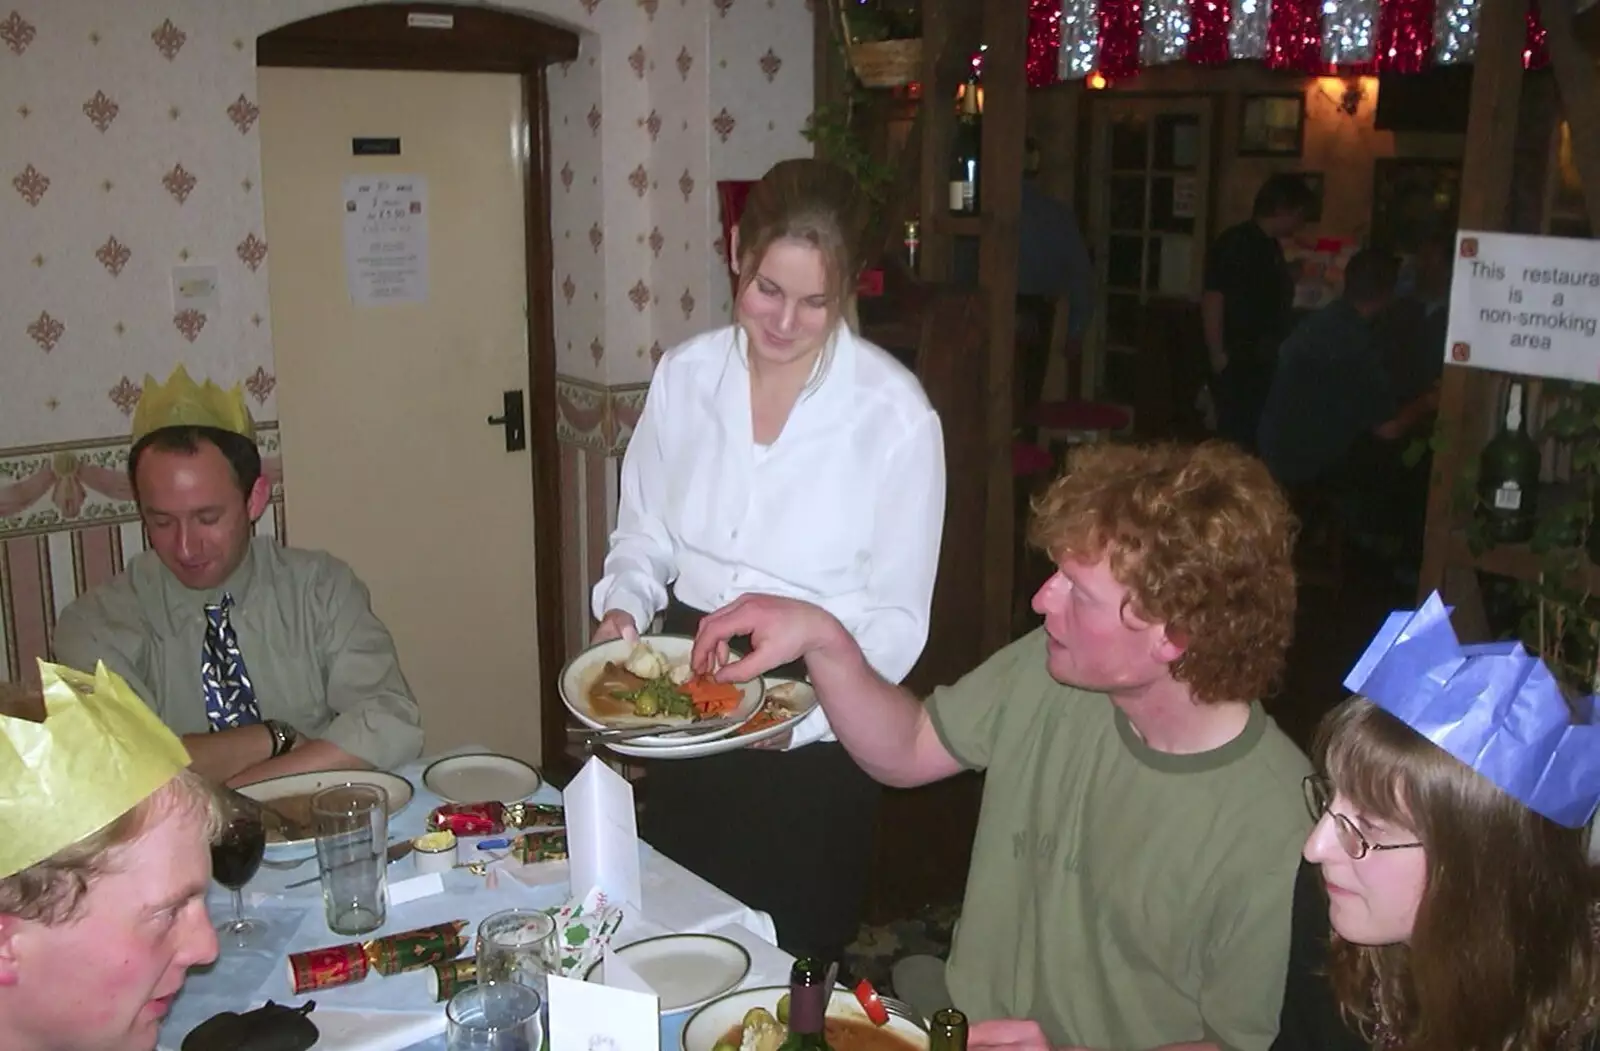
[[128, 147]]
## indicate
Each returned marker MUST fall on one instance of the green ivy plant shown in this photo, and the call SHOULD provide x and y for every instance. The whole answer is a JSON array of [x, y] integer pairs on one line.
[[831, 131]]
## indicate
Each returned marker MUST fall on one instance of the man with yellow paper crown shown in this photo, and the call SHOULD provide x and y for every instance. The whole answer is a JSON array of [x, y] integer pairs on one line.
[[104, 863], [267, 659]]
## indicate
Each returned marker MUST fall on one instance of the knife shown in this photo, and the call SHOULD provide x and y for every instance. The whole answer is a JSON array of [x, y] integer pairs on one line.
[[626, 733], [396, 852]]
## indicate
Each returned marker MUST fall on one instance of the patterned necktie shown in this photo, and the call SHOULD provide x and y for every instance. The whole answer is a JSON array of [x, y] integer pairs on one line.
[[230, 697]]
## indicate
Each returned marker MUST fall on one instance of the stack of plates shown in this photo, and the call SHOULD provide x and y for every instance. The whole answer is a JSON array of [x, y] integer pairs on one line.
[[793, 700]]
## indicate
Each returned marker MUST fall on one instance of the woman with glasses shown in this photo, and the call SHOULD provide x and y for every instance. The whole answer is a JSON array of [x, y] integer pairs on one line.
[[1448, 856]]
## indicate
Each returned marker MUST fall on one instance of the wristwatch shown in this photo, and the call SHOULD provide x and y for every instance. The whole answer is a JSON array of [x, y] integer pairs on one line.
[[284, 736]]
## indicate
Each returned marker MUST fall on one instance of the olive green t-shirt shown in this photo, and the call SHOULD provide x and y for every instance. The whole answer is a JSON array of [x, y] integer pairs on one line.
[[1121, 897]]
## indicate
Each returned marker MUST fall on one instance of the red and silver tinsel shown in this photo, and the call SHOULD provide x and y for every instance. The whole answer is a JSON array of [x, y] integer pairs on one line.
[[1072, 39]]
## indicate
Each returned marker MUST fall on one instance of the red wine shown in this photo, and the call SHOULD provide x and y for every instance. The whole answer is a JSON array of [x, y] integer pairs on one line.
[[808, 1004], [236, 854]]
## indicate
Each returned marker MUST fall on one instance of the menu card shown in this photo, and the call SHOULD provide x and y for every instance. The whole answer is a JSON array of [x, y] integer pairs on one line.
[[597, 1017], [603, 835]]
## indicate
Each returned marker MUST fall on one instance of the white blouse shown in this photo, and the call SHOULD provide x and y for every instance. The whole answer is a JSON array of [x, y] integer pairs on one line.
[[845, 509]]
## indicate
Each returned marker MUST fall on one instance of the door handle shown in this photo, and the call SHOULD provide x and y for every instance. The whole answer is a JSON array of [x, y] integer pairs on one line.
[[513, 420]]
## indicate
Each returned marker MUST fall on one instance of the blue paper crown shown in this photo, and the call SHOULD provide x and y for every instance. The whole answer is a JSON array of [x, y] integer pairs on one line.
[[1494, 706]]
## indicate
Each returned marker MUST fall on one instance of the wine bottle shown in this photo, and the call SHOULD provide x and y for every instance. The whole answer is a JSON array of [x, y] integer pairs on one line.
[[964, 158], [947, 1031], [1508, 478], [808, 1006]]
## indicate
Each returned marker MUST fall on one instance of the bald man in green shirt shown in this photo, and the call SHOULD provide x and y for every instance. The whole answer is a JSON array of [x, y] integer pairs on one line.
[[267, 660]]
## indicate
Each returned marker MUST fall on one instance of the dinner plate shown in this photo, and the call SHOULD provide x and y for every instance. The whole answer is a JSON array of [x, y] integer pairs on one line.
[[481, 777], [685, 970], [707, 1025], [396, 788], [580, 674], [798, 697]]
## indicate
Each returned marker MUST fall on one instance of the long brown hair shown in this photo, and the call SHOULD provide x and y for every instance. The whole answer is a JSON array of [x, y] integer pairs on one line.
[[813, 201], [1502, 956]]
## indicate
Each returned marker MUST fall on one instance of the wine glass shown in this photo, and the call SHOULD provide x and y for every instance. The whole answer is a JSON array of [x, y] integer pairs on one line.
[[235, 857]]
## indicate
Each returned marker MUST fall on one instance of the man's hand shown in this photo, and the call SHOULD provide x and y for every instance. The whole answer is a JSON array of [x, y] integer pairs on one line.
[[780, 630], [616, 624], [1008, 1034]]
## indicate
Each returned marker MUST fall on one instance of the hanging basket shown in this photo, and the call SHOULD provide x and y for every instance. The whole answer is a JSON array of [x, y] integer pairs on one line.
[[886, 63]]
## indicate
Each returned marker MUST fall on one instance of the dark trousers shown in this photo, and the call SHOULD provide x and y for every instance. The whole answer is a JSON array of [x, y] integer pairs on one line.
[[790, 833], [1240, 392]]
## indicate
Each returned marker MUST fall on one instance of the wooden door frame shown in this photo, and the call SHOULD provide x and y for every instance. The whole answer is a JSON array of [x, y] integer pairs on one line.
[[458, 38]]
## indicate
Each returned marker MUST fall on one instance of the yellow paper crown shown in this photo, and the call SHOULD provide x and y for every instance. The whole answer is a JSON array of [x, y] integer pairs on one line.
[[181, 402], [98, 754]]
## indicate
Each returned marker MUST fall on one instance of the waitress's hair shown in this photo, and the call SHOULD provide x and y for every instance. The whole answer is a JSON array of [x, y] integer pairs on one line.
[[813, 201], [1502, 956]]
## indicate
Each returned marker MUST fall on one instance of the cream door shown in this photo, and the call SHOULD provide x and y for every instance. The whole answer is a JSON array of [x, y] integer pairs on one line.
[[388, 460]]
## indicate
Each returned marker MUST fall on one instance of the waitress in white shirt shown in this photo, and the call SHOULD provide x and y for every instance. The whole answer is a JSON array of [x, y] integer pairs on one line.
[[782, 454]]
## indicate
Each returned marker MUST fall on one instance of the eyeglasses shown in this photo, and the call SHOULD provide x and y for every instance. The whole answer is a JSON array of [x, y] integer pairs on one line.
[[1319, 797]]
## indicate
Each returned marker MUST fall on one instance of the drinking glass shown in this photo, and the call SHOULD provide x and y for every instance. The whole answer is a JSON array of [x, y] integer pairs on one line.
[[352, 826], [494, 1016], [235, 857], [517, 946]]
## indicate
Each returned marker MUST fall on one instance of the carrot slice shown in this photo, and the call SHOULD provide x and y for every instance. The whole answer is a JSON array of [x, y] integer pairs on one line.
[[711, 697]]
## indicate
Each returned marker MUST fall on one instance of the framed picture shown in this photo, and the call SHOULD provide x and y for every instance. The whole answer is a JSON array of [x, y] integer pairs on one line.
[[1412, 198], [1272, 125]]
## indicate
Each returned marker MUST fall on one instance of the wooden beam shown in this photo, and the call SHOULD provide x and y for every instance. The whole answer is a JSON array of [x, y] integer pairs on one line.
[[1005, 106], [937, 119], [1485, 191], [1580, 98]]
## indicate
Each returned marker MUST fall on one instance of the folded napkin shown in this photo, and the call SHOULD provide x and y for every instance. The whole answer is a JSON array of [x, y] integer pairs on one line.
[[356, 1030], [584, 927]]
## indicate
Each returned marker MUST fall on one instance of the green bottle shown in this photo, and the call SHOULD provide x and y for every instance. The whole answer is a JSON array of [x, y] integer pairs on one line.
[[947, 1031], [808, 1006], [1508, 478], [966, 152]]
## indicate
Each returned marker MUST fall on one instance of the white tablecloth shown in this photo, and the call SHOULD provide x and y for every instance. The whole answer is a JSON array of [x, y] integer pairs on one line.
[[390, 1013]]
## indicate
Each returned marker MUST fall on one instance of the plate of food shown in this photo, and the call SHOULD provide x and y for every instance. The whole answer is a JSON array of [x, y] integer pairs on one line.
[[291, 794], [620, 685], [749, 1020], [783, 705]]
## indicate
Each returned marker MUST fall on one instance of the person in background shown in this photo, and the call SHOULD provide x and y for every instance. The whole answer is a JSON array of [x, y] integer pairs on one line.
[[1332, 419], [1411, 333], [1053, 265], [1135, 854], [104, 864], [1247, 306], [782, 454], [1448, 857], [267, 659]]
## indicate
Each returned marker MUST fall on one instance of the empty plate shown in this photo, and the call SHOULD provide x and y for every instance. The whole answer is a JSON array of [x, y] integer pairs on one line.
[[481, 778], [685, 970]]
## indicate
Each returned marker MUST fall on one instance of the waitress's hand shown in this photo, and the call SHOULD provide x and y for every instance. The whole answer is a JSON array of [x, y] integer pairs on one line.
[[616, 624], [780, 630]]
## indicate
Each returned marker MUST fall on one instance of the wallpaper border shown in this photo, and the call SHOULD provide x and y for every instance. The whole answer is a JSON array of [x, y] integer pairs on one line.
[[597, 417], [71, 485]]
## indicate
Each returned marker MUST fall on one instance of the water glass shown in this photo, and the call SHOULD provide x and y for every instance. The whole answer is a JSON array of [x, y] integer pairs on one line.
[[352, 826], [494, 1016], [518, 946]]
